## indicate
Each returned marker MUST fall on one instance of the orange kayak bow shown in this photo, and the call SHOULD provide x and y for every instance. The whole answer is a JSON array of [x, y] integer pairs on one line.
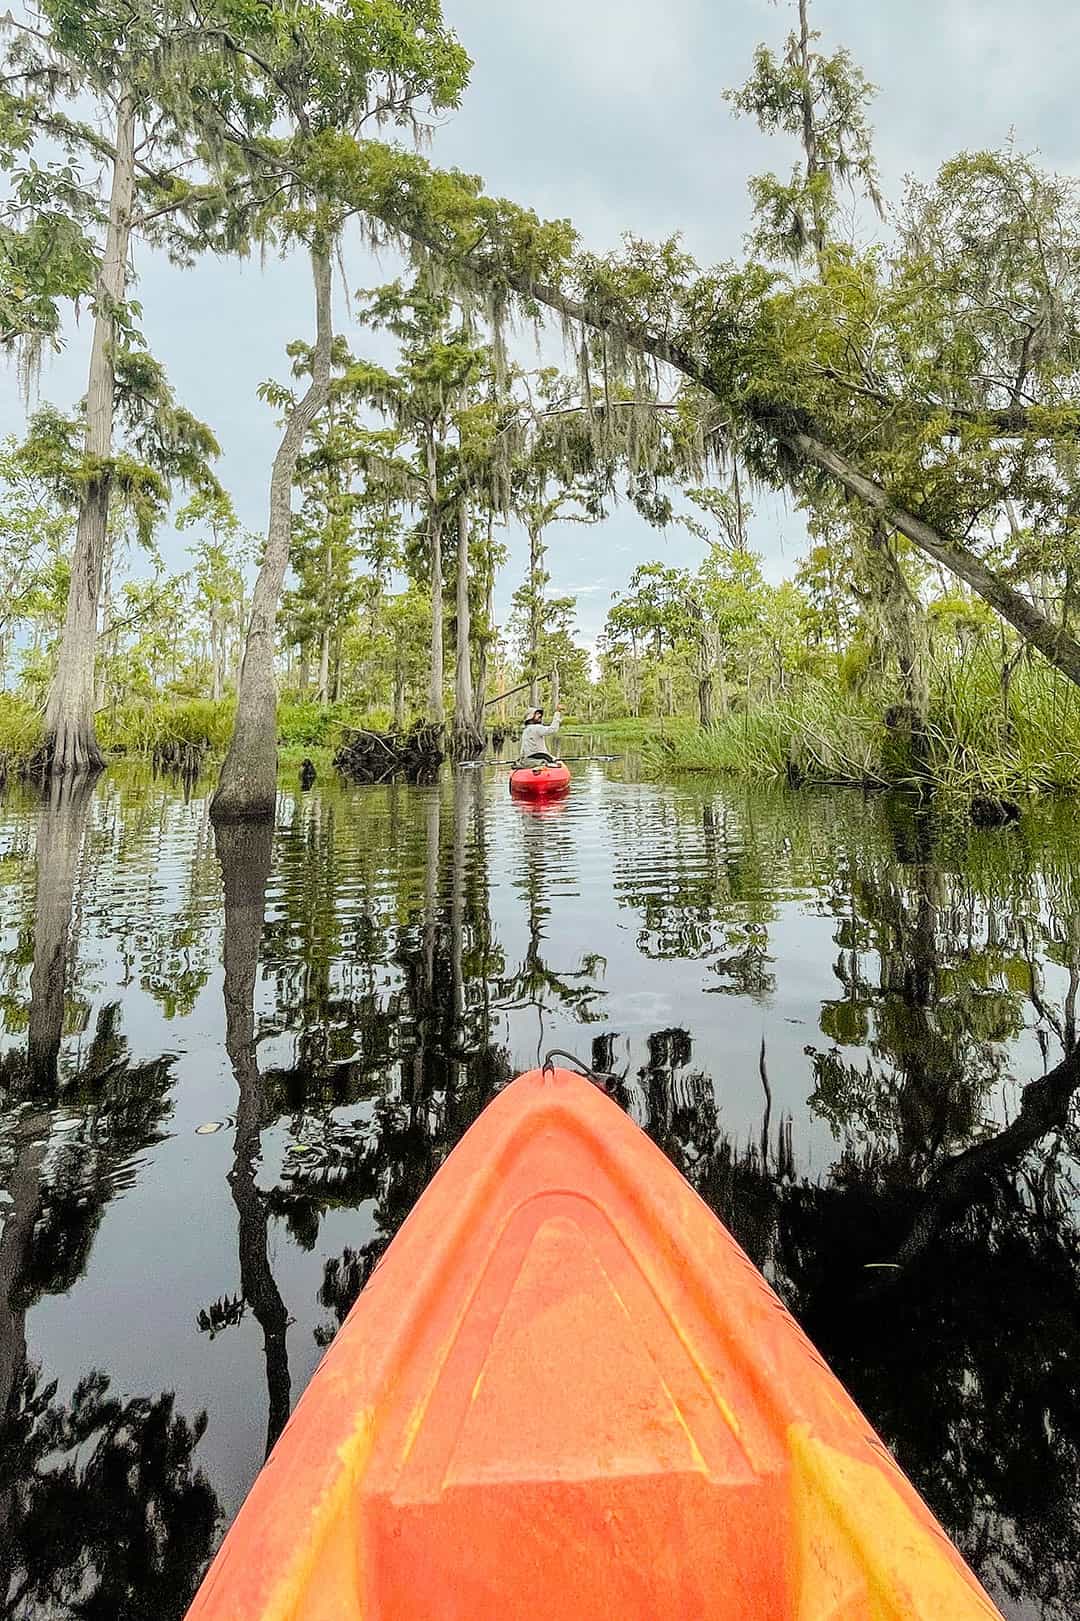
[[567, 1395]]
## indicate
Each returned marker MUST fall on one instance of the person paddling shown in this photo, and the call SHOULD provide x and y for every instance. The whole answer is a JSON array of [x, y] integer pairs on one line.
[[533, 746]]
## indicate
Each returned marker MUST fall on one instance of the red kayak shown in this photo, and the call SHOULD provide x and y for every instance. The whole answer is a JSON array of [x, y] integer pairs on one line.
[[567, 1395], [539, 781]]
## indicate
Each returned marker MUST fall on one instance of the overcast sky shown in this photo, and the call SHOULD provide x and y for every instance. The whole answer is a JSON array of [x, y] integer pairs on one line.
[[611, 112]]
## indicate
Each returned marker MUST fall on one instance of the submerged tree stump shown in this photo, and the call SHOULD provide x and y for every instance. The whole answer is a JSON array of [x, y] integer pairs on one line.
[[175, 758], [413, 756], [986, 811], [467, 742]]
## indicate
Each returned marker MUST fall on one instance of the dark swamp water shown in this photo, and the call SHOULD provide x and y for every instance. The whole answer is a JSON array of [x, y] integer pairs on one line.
[[340, 998]]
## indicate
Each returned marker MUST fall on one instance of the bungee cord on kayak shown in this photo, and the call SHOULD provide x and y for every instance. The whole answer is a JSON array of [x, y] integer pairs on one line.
[[606, 1080]]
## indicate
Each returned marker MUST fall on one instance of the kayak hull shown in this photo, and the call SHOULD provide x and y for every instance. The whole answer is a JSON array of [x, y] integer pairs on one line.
[[567, 1395], [539, 782]]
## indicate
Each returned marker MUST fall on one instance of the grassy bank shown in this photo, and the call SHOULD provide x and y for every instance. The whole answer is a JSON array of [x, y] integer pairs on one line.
[[20, 733], [305, 730], [977, 738], [631, 730]]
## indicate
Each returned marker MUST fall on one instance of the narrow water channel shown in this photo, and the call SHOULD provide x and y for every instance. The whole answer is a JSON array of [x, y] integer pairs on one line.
[[228, 1070]]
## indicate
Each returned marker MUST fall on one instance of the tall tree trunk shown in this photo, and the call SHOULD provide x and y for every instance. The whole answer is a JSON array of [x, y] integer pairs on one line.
[[467, 740], [536, 557], [902, 620], [323, 694], [338, 661], [809, 133], [70, 742], [705, 698], [248, 785], [436, 702], [239, 624], [483, 642], [556, 689], [217, 650], [324, 640], [399, 698]]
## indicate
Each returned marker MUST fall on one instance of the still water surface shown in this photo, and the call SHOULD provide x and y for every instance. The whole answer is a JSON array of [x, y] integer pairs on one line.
[[227, 1072]]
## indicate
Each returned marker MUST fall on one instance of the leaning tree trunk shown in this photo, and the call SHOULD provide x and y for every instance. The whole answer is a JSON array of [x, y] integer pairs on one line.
[[70, 742], [436, 702], [949, 552], [468, 739], [247, 789], [1056, 644]]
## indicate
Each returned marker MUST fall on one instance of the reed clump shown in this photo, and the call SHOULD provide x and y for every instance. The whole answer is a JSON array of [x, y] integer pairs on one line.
[[980, 734]]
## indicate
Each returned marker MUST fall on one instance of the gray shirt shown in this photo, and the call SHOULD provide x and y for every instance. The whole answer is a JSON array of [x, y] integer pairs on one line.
[[533, 738]]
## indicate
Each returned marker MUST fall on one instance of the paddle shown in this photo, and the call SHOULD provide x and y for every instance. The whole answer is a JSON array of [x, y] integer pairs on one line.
[[512, 765]]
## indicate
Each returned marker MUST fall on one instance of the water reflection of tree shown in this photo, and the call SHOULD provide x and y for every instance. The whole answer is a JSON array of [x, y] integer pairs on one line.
[[67, 1146], [425, 1058], [961, 1347], [548, 860], [936, 970], [700, 878], [108, 845], [103, 1512], [60, 828], [245, 852]]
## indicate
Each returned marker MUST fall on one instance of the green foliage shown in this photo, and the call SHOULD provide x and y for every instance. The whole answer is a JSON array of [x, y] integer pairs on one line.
[[817, 734], [976, 739], [142, 727], [20, 729], [821, 100], [305, 724]]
